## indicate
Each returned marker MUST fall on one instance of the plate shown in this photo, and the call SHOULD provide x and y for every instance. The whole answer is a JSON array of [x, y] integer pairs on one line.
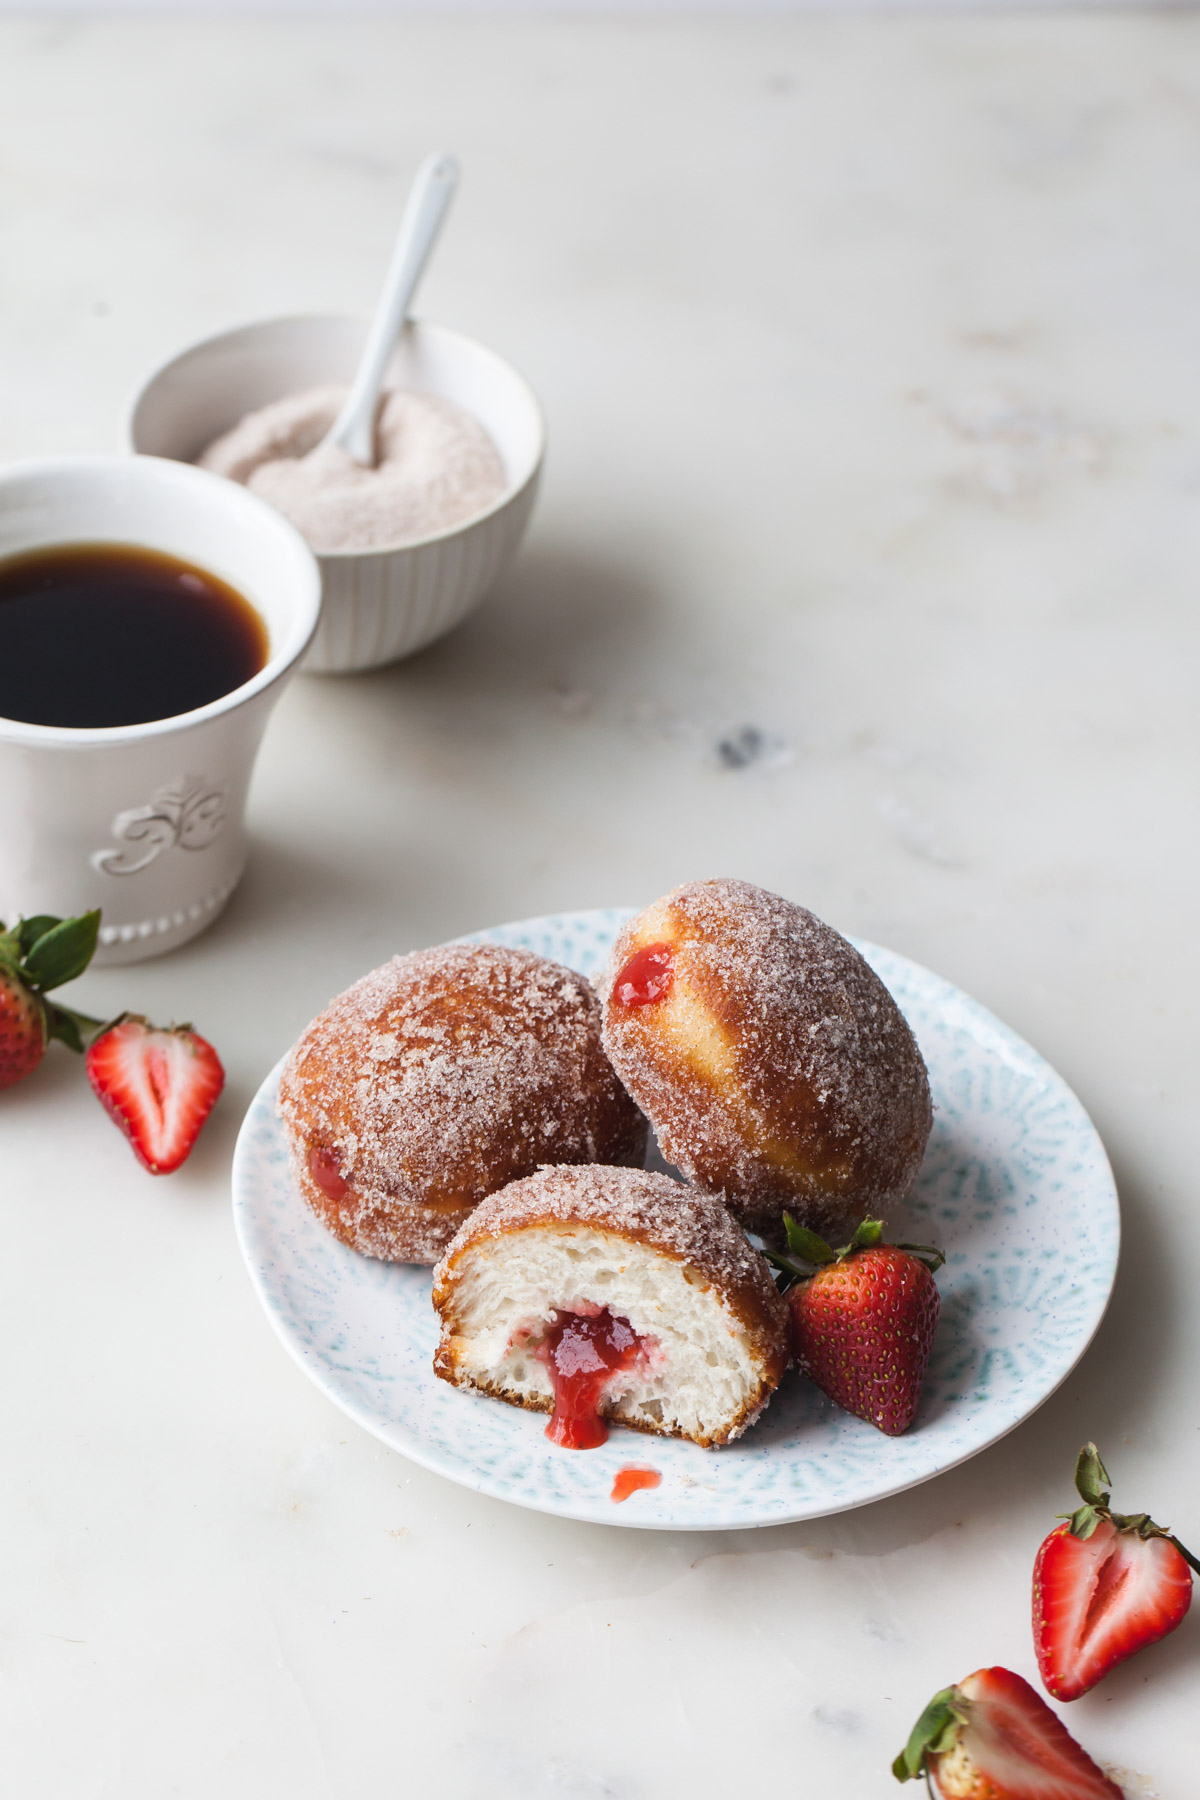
[[1015, 1187]]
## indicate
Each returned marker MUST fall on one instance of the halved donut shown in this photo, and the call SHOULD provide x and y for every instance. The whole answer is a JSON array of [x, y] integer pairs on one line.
[[601, 1294]]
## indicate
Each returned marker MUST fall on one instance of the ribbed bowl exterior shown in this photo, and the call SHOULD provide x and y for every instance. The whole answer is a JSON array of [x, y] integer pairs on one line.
[[378, 607]]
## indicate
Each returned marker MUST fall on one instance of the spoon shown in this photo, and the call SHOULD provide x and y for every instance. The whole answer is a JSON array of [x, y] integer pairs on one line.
[[428, 202]]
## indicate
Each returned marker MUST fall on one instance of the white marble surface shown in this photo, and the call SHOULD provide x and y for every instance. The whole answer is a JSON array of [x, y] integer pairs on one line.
[[870, 356]]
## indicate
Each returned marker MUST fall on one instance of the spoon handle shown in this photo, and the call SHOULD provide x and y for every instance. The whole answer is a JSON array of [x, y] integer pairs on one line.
[[428, 201]]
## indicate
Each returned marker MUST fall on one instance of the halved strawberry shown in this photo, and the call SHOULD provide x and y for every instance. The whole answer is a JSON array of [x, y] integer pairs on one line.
[[993, 1738], [159, 1086], [1105, 1585], [36, 955]]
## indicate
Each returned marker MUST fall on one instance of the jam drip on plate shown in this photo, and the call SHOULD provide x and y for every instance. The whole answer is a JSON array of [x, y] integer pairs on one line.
[[325, 1167], [582, 1354], [646, 977], [632, 1479]]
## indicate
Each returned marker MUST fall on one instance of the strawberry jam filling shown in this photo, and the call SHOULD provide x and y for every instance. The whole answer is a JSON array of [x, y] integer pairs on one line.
[[325, 1167], [582, 1354], [646, 977]]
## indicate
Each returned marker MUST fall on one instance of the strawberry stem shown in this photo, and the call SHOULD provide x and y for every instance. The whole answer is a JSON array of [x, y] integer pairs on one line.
[[866, 1236], [70, 1027], [1092, 1482], [1092, 1479], [1186, 1554]]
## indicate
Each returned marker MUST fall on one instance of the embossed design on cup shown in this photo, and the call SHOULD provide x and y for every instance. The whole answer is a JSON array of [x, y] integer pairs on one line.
[[189, 814]]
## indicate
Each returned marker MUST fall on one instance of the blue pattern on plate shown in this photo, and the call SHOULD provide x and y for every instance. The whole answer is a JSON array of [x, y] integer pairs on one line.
[[1015, 1186]]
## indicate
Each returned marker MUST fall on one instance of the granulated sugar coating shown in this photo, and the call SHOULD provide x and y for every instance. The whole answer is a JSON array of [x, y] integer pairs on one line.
[[648, 1208], [440, 1077], [777, 1071], [436, 467]]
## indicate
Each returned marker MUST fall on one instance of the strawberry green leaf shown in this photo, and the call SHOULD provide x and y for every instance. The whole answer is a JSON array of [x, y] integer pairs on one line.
[[929, 1254], [934, 1732], [788, 1266], [1093, 1480], [1084, 1521], [28, 931], [805, 1243], [1145, 1528], [63, 952]]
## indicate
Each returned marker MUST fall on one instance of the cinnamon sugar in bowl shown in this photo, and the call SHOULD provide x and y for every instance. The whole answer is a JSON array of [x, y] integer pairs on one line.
[[381, 603]]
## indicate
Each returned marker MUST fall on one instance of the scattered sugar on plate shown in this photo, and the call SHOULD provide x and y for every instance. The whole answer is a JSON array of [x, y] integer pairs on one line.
[[436, 468]]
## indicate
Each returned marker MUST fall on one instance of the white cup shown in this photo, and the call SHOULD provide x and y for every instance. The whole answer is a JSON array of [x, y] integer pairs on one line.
[[147, 821]]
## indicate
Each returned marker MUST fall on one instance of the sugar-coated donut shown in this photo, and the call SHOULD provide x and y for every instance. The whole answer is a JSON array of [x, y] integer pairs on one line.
[[775, 1067], [440, 1077], [601, 1294]]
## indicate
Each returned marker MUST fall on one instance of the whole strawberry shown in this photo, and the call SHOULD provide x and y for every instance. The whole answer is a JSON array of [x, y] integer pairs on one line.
[[36, 955], [993, 1738], [159, 1086], [863, 1323], [1105, 1585]]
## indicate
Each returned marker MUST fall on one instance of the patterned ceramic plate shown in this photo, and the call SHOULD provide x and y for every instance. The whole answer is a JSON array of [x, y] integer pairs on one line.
[[1015, 1187]]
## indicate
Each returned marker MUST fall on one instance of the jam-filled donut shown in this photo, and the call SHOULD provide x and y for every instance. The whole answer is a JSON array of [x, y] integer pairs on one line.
[[440, 1077], [774, 1065], [600, 1294]]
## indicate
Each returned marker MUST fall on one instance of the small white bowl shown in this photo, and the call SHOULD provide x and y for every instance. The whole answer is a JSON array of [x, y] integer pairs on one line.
[[378, 605]]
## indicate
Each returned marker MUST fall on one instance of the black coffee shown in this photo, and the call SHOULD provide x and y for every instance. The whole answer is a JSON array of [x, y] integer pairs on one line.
[[110, 634]]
